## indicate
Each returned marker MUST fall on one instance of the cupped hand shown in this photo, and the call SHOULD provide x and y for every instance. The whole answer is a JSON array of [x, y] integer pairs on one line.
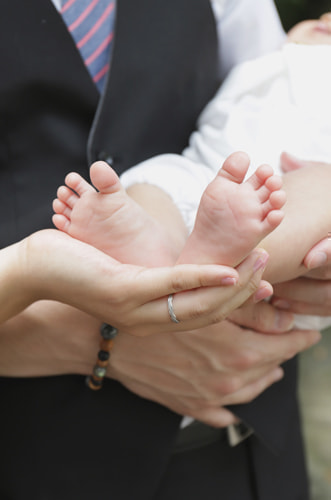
[[134, 298]]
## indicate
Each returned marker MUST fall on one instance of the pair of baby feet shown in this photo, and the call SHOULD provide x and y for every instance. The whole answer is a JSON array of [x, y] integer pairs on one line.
[[233, 217]]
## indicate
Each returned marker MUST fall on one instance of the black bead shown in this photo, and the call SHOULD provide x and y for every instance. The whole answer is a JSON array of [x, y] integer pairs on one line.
[[108, 332], [95, 383], [103, 355]]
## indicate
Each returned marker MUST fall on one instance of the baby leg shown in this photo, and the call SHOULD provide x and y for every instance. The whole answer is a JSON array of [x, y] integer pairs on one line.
[[234, 216]]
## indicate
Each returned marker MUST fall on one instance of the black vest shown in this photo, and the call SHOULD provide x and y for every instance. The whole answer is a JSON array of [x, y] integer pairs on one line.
[[59, 440], [164, 70]]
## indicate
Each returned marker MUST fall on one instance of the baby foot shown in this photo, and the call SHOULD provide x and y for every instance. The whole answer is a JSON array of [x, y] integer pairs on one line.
[[107, 218], [234, 216]]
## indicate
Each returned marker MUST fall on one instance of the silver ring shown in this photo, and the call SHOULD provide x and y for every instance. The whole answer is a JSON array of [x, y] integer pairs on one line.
[[171, 309]]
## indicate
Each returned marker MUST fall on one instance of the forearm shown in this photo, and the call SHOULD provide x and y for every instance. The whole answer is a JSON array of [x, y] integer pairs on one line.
[[307, 220], [14, 294], [48, 338]]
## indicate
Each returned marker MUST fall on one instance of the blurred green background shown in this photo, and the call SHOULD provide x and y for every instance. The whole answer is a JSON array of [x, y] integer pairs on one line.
[[293, 11]]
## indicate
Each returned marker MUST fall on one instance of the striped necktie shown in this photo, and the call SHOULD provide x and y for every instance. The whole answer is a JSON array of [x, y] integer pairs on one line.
[[90, 23]]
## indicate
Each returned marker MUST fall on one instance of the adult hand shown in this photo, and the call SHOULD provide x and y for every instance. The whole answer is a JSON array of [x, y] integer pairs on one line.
[[192, 373], [133, 298], [310, 294], [198, 372], [318, 260]]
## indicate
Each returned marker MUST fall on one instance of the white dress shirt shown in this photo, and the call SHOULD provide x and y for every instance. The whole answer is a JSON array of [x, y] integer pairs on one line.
[[57, 4]]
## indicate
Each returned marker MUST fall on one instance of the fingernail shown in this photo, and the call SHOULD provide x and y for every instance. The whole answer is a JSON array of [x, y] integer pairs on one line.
[[278, 374], [281, 304], [319, 259], [229, 281], [284, 321], [262, 293], [261, 261]]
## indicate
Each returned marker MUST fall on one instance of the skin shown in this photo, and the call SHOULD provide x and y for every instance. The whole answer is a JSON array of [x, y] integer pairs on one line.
[[40, 341], [312, 32], [225, 231], [311, 293], [230, 379], [51, 265], [50, 338]]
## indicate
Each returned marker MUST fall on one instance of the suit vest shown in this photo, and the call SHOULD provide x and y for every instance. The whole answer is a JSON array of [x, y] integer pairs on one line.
[[59, 439], [164, 69]]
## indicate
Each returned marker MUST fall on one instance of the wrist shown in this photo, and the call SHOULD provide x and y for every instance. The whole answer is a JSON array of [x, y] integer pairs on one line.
[[16, 291], [48, 339]]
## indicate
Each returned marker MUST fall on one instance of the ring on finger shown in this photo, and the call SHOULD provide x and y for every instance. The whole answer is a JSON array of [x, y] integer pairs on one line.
[[171, 311]]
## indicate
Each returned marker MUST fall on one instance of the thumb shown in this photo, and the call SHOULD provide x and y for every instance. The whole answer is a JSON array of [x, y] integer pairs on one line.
[[319, 255]]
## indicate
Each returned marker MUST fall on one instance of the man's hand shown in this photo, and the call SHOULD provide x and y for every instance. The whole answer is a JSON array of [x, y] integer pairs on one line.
[[310, 294], [197, 373], [193, 373]]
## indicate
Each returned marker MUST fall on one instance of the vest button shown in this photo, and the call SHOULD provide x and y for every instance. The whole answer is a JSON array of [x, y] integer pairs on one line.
[[104, 156]]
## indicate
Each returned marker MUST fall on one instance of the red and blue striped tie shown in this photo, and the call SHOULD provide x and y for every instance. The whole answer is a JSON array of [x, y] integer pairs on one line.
[[90, 23]]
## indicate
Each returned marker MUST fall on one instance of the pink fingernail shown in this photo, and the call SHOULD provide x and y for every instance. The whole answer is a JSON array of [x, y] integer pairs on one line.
[[278, 374], [229, 281], [284, 321], [261, 261], [281, 304], [319, 259], [262, 293]]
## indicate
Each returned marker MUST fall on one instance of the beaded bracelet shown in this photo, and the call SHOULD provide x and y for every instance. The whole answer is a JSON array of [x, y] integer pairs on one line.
[[108, 333]]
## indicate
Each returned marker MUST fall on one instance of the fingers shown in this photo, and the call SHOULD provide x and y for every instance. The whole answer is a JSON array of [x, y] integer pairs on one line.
[[263, 317], [286, 346], [215, 417], [159, 282], [199, 372], [263, 292], [319, 259], [200, 307], [304, 296], [249, 361], [251, 391], [217, 303], [311, 294]]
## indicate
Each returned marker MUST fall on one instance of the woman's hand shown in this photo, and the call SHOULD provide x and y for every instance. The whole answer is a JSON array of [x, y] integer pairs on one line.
[[133, 298]]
